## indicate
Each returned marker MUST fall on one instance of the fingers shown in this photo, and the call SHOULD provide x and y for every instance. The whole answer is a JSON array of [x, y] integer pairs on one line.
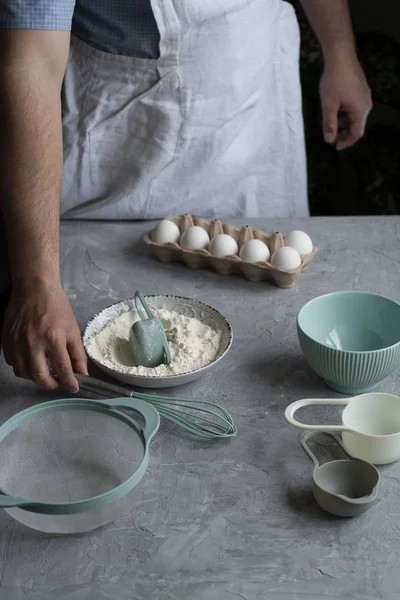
[[19, 364], [31, 365], [40, 373], [16, 359], [344, 122], [77, 355], [61, 364], [344, 129], [34, 366], [38, 328], [330, 111], [354, 132]]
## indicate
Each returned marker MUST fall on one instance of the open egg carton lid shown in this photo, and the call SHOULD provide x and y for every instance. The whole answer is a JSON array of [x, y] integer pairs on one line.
[[196, 259]]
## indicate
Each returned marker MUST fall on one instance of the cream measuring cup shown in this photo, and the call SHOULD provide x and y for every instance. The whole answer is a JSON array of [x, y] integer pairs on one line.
[[346, 487], [370, 425]]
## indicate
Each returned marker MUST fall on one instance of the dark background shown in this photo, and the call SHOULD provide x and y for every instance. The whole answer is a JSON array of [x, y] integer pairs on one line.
[[366, 179]]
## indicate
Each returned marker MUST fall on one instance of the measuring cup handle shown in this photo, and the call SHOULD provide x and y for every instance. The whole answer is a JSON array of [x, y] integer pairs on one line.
[[292, 408], [146, 410], [304, 437], [141, 303], [167, 354]]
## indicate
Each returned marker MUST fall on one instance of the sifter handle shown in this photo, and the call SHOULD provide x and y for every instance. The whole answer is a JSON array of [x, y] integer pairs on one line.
[[9, 501], [146, 410]]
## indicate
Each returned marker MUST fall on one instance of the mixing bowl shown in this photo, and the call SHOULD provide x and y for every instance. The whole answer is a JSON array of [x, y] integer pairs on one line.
[[351, 339], [184, 306]]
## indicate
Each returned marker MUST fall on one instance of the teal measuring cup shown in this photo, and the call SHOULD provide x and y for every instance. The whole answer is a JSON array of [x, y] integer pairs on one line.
[[346, 487], [147, 337], [69, 466]]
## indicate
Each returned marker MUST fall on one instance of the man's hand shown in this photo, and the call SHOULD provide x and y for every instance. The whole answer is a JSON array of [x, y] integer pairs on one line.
[[345, 96], [346, 102], [39, 326]]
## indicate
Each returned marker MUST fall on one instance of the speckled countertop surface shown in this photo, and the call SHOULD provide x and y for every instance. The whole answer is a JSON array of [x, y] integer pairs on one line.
[[234, 519]]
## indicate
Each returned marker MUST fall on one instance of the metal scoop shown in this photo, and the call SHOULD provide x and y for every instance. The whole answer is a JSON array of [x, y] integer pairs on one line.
[[147, 337], [345, 488]]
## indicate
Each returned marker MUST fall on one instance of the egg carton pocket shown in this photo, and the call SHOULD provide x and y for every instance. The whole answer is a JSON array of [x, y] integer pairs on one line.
[[196, 259]]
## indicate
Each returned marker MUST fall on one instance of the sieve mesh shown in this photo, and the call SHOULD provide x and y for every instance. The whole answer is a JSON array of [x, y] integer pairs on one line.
[[68, 455]]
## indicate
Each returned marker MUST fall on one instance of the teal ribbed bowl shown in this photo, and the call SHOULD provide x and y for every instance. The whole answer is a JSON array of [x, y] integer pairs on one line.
[[351, 339]]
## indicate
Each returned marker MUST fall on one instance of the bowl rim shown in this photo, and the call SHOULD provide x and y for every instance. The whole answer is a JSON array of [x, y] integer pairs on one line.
[[175, 375], [346, 293]]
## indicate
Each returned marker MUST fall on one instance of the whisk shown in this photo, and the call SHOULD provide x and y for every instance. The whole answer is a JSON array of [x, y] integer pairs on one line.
[[199, 417]]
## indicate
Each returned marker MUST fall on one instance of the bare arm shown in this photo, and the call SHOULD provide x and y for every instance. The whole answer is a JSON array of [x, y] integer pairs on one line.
[[33, 65], [31, 74], [330, 20], [344, 90]]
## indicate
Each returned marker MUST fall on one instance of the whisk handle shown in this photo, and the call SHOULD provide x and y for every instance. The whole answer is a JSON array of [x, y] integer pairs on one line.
[[100, 387]]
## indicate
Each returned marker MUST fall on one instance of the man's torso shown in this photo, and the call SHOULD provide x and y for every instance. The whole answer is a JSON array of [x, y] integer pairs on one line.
[[177, 105], [126, 27]]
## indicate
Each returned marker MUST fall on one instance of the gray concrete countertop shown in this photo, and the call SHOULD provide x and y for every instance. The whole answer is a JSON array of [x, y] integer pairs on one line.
[[233, 519]]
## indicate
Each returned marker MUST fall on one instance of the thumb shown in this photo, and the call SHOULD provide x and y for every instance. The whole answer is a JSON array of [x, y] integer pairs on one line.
[[330, 111]]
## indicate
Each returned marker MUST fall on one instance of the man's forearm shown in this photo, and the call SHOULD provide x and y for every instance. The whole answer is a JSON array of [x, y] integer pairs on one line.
[[31, 167], [32, 171], [331, 22]]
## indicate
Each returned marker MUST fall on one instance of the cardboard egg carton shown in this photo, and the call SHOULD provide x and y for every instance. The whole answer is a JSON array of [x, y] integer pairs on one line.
[[197, 259]]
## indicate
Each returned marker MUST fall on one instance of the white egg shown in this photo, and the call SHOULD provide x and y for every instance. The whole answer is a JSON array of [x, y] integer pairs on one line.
[[300, 241], [254, 251], [223, 245], [286, 258], [195, 238], [165, 232]]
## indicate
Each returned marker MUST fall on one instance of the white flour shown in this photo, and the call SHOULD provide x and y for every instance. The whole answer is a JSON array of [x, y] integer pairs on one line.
[[192, 344]]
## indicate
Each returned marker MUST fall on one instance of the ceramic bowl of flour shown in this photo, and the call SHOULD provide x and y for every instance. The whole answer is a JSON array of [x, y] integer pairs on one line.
[[198, 337]]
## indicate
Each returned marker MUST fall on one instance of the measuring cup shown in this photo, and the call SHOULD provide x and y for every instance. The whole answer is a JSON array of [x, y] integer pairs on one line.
[[370, 425], [345, 488], [147, 337]]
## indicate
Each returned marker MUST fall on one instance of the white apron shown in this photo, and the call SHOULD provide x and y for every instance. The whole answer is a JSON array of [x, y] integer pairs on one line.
[[213, 127]]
